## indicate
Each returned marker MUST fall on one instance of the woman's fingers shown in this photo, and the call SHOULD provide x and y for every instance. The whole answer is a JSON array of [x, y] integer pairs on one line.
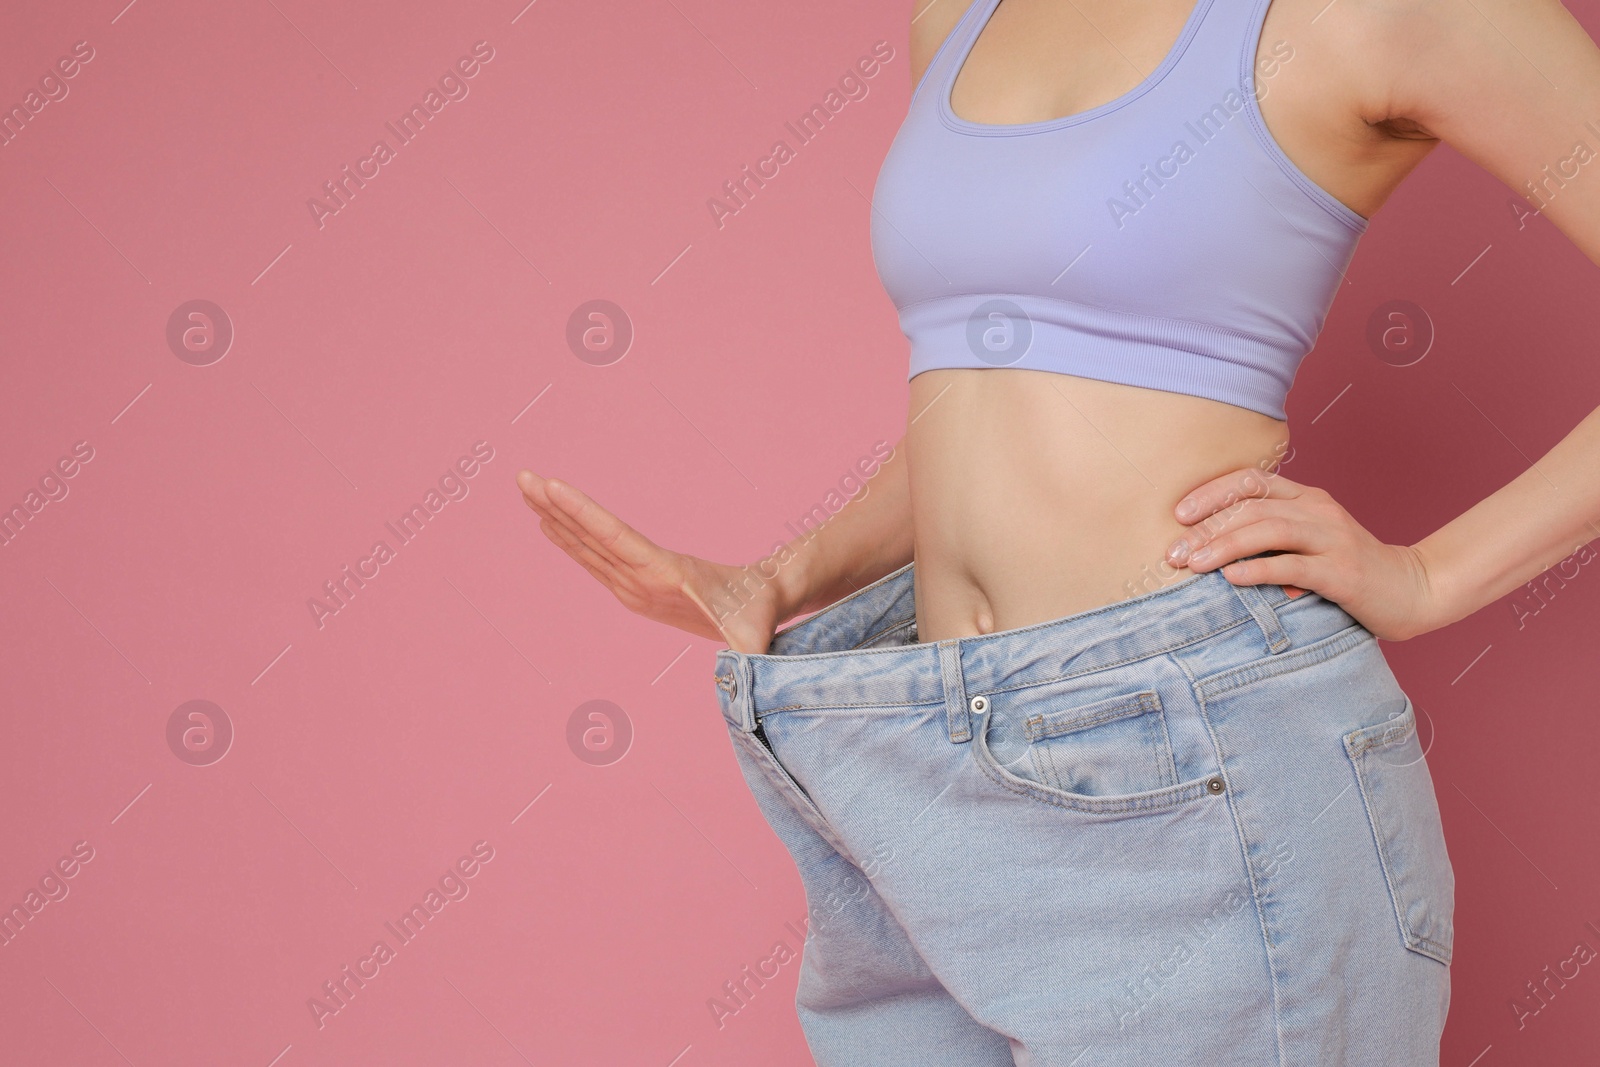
[[583, 560], [564, 532], [536, 495], [649, 600], [615, 537], [1235, 501], [591, 523], [575, 534], [1292, 572], [1302, 524], [1233, 489], [619, 582], [598, 565], [1260, 533], [644, 587], [683, 591]]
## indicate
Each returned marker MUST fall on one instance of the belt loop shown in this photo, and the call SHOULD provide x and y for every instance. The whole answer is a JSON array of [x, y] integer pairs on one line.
[[733, 681], [955, 695], [1263, 611]]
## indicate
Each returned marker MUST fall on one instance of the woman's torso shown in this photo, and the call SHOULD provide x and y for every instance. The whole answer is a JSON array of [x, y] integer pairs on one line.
[[1038, 494]]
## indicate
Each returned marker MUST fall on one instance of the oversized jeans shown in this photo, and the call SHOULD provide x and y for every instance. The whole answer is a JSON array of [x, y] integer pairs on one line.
[[1192, 827]]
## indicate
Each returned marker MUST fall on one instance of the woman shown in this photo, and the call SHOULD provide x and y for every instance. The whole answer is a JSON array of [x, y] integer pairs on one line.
[[1116, 772]]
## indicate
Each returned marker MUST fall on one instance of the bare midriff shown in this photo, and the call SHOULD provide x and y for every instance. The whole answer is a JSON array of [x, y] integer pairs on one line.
[[1036, 495]]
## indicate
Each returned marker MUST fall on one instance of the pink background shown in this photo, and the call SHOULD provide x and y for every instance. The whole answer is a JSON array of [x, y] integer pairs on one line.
[[372, 752]]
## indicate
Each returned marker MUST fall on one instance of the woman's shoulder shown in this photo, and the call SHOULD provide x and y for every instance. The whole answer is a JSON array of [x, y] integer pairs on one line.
[[931, 23]]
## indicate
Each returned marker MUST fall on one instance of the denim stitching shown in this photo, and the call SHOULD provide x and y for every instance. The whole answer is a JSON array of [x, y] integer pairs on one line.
[[957, 709], [1174, 796], [1242, 839], [905, 624], [1156, 738], [1411, 939], [1155, 735], [790, 789], [863, 591], [1142, 655], [1164, 745], [1265, 615], [1116, 708], [1380, 735], [1142, 598], [1170, 797], [1358, 743], [1044, 764], [863, 707], [1305, 656]]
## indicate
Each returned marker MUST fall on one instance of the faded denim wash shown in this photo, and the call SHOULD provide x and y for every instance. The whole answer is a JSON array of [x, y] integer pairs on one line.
[[1195, 826]]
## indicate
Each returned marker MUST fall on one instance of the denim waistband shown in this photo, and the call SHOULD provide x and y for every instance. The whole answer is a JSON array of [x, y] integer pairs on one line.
[[855, 651]]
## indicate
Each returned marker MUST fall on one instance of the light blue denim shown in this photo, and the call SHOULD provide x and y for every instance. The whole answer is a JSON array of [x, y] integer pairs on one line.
[[1193, 827]]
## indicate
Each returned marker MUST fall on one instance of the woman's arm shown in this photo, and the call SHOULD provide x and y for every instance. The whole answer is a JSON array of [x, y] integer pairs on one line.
[[741, 606], [868, 538], [1542, 516], [1538, 519], [1529, 113]]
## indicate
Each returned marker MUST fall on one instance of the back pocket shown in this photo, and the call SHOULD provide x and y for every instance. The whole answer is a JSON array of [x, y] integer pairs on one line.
[[1109, 747], [1397, 791]]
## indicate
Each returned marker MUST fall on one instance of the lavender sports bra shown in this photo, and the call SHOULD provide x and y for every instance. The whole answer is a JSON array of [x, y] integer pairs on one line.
[[1162, 239]]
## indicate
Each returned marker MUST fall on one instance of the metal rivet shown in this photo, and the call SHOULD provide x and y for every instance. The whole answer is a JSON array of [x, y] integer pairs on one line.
[[980, 704], [1214, 784]]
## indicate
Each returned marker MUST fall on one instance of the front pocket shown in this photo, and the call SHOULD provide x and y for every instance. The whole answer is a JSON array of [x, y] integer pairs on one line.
[[1397, 791], [1111, 746], [1003, 753]]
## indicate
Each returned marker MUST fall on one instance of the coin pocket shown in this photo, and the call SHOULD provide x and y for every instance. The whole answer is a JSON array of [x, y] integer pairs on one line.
[[1107, 747]]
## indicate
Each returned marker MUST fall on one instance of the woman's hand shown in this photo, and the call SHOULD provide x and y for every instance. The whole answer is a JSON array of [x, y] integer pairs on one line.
[[714, 600], [1383, 587]]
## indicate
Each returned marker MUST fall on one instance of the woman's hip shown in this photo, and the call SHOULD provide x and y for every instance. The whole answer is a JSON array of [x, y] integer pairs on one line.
[[1057, 811]]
